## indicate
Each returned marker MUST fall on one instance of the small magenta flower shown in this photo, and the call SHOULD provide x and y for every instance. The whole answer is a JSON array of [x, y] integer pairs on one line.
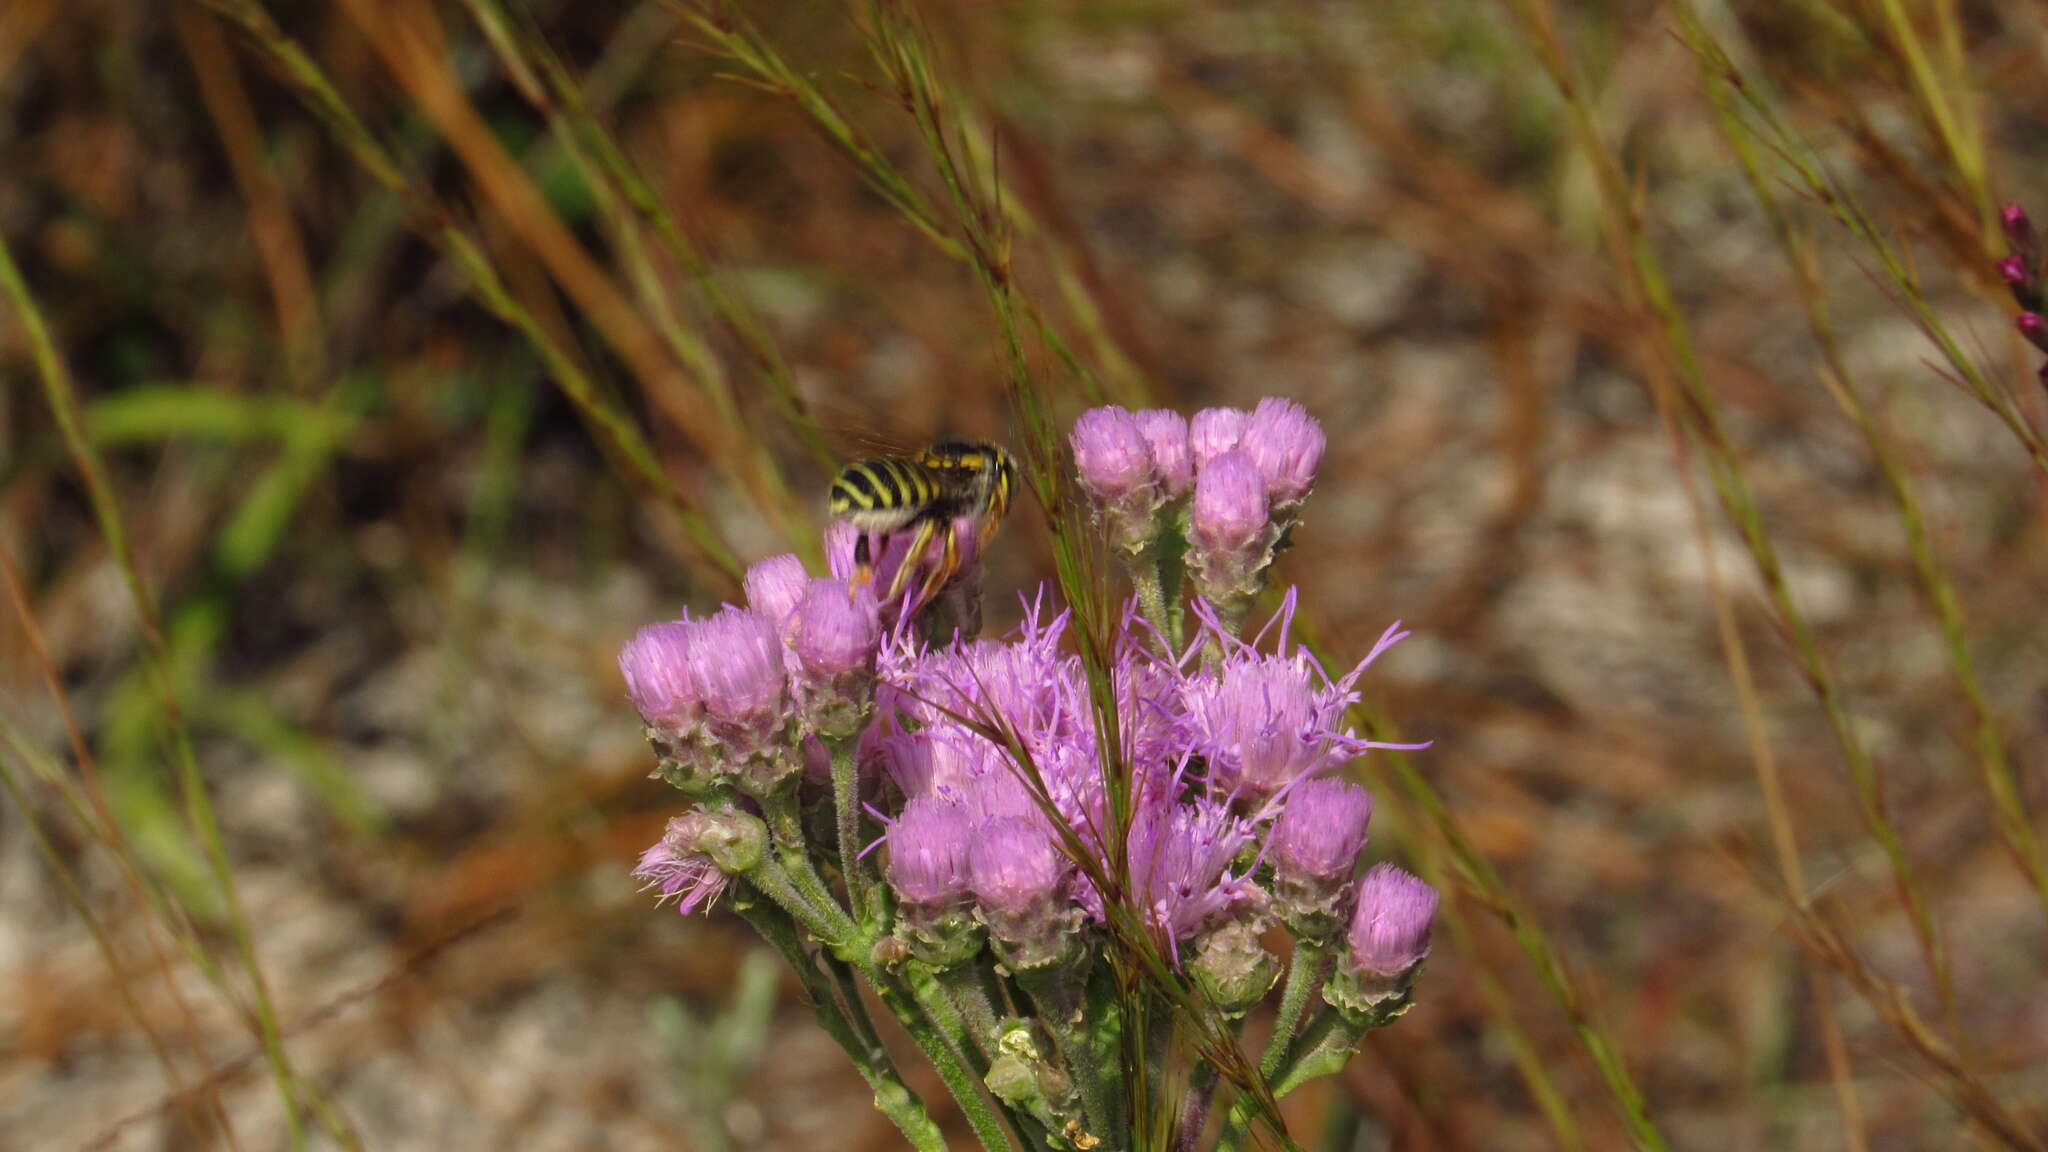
[[1287, 444], [775, 585], [2021, 269], [2019, 231], [1390, 928], [1314, 848], [1183, 877], [928, 850], [656, 665], [1166, 433], [2034, 328], [679, 872], [1215, 431]]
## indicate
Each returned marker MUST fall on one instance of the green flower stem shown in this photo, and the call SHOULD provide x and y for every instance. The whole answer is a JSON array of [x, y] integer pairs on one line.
[[846, 808], [1304, 972], [785, 826], [1325, 1048], [912, 998], [1144, 569], [968, 988], [845, 1020], [1087, 1038]]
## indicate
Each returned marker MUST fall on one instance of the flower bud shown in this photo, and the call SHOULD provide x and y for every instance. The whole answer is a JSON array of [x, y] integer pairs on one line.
[[1230, 531], [1233, 969], [1287, 445], [1016, 872], [928, 851], [2034, 328], [1166, 433], [734, 840], [1213, 432], [736, 668], [1390, 928], [1389, 937], [2019, 231], [774, 586], [656, 665], [835, 631], [1115, 464], [1314, 848]]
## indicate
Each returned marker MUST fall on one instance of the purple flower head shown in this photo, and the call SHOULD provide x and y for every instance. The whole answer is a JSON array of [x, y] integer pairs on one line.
[[680, 873], [1111, 454], [1287, 445], [1166, 433], [1181, 858], [774, 586], [1263, 722], [1320, 831], [1390, 929], [1014, 868], [1215, 431], [928, 847], [2013, 269], [1230, 511], [836, 629], [937, 759], [656, 665], [736, 668]]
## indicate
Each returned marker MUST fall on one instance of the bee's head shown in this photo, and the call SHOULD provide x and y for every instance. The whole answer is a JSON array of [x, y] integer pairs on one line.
[[994, 472]]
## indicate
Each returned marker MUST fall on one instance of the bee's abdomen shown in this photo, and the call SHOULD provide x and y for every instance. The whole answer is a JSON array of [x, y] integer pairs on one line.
[[878, 495]]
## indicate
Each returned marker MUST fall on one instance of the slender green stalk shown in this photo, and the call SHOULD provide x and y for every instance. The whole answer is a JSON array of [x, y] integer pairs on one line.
[[615, 432], [1304, 972], [846, 817], [892, 1097], [2014, 824], [64, 408], [938, 1028], [1634, 258]]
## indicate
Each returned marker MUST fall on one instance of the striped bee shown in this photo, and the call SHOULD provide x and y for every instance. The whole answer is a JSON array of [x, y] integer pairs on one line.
[[923, 494]]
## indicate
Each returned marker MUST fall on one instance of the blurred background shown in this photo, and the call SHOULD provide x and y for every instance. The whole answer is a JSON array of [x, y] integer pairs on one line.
[[405, 356]]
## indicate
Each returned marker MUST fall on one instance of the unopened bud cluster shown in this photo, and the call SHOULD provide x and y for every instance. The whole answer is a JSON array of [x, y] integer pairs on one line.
[[982, 850], [1221, 491], [2021, 269]]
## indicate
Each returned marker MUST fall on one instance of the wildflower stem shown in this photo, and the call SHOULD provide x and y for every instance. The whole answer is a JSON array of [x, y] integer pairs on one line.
[[846, 1022], [931, 1021], [785, 827], [1304, 972], [846, 808], [968, 988]]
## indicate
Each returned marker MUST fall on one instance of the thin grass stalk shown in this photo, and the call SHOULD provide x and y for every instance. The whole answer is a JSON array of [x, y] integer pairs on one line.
[[1635, 260], [1840, 203], [98, 817], [626, 449], [2015, 826], [62, 398], [122, 978], [1946, 113], [599, 164]]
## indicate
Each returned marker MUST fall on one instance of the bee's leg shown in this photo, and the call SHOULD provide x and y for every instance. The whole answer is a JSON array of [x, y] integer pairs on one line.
[[863, 566], [918, 543], [949, 563]]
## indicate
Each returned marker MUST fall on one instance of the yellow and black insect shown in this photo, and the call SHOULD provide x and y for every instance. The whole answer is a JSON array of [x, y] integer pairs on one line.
[[923, 494]]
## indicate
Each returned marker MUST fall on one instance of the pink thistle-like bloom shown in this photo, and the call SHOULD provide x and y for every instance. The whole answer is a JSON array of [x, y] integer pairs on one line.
[[1390, 927], [1320, 831], [688, 877], [774, 586], [1111, 454], [737, 669], [1287, 444], [928, 847], [1231, 509], [1182, 877], [1014, 868], [1173, 461], [1213, 432], [656, 666], [835, 633]]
